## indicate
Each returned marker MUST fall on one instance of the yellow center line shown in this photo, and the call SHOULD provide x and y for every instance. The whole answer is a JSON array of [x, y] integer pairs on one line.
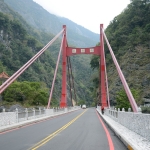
[[48, 138]]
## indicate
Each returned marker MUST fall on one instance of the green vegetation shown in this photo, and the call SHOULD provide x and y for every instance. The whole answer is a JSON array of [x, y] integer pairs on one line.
[[30, 11], [122, 100], [16, 48], [30, 93], [146, 110], [46, 22], [81, 102], [82, 77], [19, 42], [129, 36]]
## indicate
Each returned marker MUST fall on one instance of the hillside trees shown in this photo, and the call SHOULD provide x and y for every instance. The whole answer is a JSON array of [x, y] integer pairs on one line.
[[122, 100], [43, 67], [128, 34], [27, 93], [16, 48], [129, 27]]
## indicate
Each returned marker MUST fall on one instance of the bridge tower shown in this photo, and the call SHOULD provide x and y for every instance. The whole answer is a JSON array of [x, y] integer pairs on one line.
[[103, 85], [97, 50], [63, 102]]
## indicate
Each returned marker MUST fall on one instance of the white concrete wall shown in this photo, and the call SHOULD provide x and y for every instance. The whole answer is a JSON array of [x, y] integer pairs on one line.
[[136, 122], [9, 118]]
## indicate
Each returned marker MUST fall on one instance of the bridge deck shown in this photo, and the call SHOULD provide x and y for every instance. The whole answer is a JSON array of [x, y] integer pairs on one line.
[[80, 130]]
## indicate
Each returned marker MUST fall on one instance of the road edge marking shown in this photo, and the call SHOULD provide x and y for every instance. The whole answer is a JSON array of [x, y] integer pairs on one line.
[[111, 145]]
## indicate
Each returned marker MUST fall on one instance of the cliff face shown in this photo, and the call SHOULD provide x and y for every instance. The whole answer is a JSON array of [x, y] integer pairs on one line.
[[129, 36], [19, 42], [135, 65]]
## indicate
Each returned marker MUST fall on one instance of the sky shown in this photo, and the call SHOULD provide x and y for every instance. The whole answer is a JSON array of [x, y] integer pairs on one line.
[[87, 13]]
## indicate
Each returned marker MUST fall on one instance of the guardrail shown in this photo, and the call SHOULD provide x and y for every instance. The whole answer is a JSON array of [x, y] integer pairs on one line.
[[9, 118], [136, 122]]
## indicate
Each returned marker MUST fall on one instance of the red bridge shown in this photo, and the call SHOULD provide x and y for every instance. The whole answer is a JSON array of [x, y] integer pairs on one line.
[[87, 133]]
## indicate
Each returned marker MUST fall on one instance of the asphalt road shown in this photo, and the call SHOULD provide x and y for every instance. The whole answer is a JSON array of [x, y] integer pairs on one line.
[[78, 130]]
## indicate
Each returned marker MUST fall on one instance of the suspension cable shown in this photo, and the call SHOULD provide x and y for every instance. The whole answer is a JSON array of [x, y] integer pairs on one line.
[[106, 83], [51, 92], [125, 85], [25, 66]]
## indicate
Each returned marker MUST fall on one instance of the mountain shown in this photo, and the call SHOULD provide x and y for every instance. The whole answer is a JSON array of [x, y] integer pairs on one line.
[[129, 37], [17, 47], [39, 71], [77, 36], [41, 19]]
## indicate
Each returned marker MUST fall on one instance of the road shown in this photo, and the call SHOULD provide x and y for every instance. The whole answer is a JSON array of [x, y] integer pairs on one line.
[[78, 130]]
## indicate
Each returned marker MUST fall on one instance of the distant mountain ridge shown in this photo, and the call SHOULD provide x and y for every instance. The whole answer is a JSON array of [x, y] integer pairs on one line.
[[80, 64], [41, 19]]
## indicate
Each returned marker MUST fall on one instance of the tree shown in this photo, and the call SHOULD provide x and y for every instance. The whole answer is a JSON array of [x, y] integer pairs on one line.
[[81, 102], [54, 103], [122, 99], [31, 93], [41, 97], [94, 62]]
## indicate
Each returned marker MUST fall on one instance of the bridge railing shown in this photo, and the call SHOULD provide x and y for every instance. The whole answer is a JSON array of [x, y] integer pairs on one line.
[[9, 118], [29, 114], [136, 122]]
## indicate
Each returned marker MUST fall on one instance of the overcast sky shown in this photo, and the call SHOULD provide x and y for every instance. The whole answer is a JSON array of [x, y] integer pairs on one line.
[[87, 13]]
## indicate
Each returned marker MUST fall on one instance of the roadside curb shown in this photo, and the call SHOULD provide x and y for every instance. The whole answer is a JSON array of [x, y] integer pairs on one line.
[[126, 142]]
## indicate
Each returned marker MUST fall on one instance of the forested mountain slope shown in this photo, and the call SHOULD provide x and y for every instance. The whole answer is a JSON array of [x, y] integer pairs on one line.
[[129, 36], [41, 19], [17, 47], [19, 42], [76, 35]]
